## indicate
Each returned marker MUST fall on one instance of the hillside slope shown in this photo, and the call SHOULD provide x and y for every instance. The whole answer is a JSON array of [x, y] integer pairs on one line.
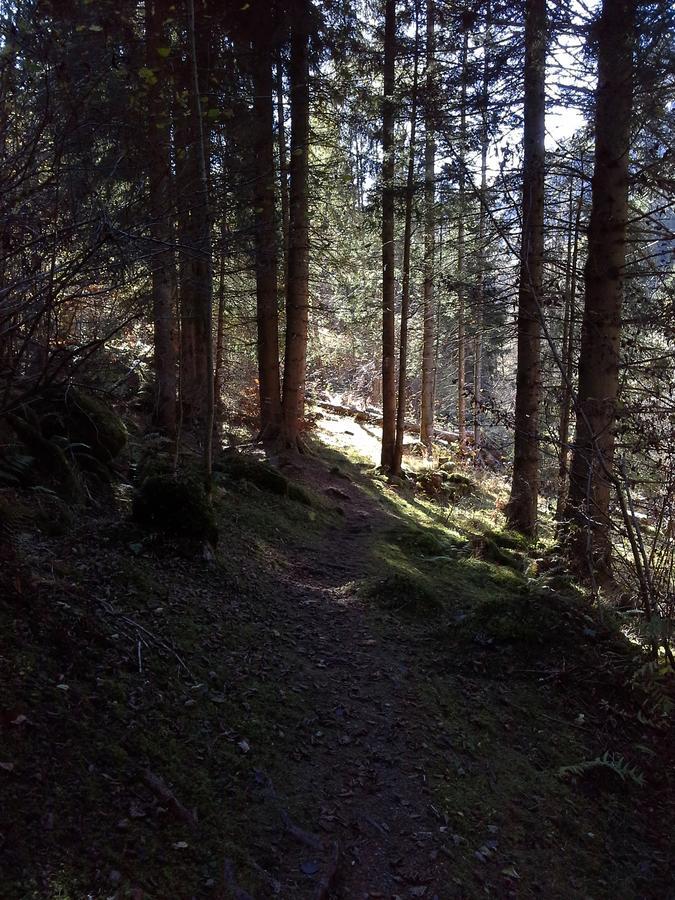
[[364, 694]]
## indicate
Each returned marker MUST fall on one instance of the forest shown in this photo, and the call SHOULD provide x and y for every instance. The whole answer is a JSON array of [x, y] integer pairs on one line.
[[337, 449]]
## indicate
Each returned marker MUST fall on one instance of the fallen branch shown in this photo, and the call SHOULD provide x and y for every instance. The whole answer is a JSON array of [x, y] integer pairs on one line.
[[327, 880], [159, 787], [232, 889], [374, 418], [308, 839]]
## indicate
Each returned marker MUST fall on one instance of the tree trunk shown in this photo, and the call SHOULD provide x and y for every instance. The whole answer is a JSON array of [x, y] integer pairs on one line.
[[461, 274], [593, 453], [521, 511], [388, 259], [297, 284], [266, 243], [428, 368], [405, 281], [568, 359], [283, 160], [201, 233], [482, 217], [218, 361], [163, 263]]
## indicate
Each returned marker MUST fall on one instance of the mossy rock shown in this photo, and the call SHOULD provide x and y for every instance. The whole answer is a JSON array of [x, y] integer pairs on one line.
[[541, 624], [244, 468], [403, 594], [425, 541], [90, 421], [510, 540], [459, 482], [174, 506], [95, 431], [487, 549]]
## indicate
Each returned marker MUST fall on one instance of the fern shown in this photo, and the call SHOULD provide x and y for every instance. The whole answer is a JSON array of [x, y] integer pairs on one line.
[[612, 761], [14, 468]]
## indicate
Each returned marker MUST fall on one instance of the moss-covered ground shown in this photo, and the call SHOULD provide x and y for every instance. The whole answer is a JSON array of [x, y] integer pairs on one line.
[[412, 680]]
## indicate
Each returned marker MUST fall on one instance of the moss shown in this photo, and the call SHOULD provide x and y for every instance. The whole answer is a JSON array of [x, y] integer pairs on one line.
[[545, 624], [239, 467], [179, 507], [92, 422], [486, 548], [403, 593], [510, 540]]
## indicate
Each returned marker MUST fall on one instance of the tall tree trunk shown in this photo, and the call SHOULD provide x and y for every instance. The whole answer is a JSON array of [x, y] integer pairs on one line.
[[388, 258], [461, 274], [482, 256], [568, 359], [593, 453], [405, 281], [266, 243], [218, 361], [428, 368], [521, 512], [163, 263], [283, 159], [297, 286], [202, 273]]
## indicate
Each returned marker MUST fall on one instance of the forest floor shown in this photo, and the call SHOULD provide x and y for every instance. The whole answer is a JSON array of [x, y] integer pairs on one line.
[[368, 694]]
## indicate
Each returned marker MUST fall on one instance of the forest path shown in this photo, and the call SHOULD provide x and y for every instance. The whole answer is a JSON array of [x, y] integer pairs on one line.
[[367, 738]]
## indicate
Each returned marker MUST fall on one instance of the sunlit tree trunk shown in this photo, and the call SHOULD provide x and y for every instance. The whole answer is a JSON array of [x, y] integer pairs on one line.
[[297, 286], [521, 512], [593, 452], [163, 263], [266, 242], [428, 338], [388, 258]]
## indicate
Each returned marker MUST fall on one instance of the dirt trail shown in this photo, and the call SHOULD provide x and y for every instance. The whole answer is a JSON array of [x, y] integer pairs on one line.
[[366, 766]]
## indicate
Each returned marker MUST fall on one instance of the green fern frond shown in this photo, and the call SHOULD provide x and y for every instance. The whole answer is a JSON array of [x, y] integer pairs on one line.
[[612, 761]]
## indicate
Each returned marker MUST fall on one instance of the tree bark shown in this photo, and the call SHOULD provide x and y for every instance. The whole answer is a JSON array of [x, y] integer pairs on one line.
[[593, 452], [163, 263], [482, 256], [297, 283], [405, 281], [568, 358], [388, 258], [461, 274], [283, 160], [521, 511], [202, 273], [266, 242], [428, 338]]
